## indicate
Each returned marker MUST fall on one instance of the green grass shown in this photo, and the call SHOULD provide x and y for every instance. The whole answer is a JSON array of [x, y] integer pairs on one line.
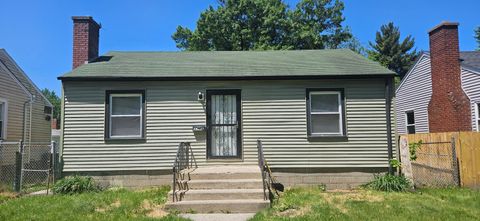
[[425, 204], [120, 204]]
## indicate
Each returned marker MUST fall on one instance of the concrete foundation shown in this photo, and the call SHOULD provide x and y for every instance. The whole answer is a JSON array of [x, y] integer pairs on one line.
[[333, 178]]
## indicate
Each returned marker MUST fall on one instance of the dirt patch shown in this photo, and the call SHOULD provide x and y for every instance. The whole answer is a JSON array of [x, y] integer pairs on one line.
[[338, 199], [294, 212], [113, 205], [9, 195], [154, 211]]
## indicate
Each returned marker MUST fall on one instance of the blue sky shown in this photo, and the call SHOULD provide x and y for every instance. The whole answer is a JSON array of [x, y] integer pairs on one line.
[[38, 34]]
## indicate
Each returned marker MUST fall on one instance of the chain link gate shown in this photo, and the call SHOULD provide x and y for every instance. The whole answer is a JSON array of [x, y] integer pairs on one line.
[[436, 164], [37, 166], [28, 167]]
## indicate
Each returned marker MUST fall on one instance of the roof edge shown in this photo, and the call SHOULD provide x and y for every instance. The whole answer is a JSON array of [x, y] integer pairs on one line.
[[183, 78]]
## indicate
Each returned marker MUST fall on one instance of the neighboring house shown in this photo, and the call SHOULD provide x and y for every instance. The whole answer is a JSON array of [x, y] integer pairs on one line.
[[25, 113], [441, 92], [324, 113]]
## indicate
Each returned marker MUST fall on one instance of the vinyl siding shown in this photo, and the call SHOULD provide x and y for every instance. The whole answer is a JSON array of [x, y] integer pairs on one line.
[[414, 94], [15, 97], [274, 111], [471, 86], [40, 127]]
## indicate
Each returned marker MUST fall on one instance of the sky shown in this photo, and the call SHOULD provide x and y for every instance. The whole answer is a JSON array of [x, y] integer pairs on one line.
[[38, 34]]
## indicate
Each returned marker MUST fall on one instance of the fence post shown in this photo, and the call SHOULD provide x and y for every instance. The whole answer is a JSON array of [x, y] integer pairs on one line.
[[455, 167], [18, 171]]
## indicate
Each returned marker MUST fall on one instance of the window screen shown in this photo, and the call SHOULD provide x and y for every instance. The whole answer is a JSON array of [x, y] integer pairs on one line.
[[325, 113], [125, 115]]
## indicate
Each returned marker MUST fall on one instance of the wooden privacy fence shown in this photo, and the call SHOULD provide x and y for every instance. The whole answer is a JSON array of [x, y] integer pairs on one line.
[[439, 151]]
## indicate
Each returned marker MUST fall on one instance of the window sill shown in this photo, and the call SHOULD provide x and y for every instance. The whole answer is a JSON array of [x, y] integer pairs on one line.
[[126, 139], [327, 138]]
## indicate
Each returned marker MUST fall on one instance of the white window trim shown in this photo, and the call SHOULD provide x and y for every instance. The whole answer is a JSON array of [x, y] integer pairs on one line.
[[5, 118], [406, 121], [110, 115], [477, 115], [340, 111]]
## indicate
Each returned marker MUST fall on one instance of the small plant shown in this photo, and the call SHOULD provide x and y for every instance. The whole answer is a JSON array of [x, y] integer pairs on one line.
[[75, 184], [413, 147], [395, 163], [389, 183]]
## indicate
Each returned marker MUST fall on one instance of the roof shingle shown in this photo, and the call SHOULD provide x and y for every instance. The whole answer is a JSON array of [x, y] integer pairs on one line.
[[338, 62]]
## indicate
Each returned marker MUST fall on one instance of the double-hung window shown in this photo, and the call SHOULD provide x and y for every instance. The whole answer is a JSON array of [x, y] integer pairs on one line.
[[410, 122], [325, 113], [125, 115], [3, 119]]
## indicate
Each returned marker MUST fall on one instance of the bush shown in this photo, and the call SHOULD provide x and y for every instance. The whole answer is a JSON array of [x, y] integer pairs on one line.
[[75, 184], [389, 183]]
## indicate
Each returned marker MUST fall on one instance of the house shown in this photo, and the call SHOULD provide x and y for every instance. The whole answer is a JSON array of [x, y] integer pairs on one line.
[[25, 113], [441, 91], [323, 116]]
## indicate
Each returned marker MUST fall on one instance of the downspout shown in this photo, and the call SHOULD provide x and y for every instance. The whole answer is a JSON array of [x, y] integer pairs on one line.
[[388, 107], [30, 101]]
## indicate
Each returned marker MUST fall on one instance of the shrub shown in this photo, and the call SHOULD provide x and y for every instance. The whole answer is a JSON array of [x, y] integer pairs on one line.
[[389, 183], [75, 184]]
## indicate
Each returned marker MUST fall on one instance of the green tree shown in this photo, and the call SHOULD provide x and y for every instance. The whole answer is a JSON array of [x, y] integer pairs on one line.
[[355, 45], [266, 25], [55, 100], [392, 53], [477, 37]]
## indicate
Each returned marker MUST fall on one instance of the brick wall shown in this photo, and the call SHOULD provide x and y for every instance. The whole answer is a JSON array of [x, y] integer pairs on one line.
[[449, 107], [85, 39]]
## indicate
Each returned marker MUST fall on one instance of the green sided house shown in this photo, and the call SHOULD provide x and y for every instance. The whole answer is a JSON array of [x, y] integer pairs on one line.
[[323, 116]]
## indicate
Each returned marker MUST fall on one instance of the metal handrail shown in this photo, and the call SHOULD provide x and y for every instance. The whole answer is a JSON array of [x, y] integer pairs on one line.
[[183, 160], [261, 164]]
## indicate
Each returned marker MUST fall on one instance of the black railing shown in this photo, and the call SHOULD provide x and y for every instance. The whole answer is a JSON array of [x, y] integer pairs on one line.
[[184, 160], [263, 169]]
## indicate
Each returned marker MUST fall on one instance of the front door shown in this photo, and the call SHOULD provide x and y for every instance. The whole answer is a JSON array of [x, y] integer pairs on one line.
[[224, 124]]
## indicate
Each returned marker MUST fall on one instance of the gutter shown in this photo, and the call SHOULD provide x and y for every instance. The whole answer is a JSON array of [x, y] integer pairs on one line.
[[223, 78]]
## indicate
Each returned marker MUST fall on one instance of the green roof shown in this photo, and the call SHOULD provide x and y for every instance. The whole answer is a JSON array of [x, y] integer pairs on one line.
[[228, 64]]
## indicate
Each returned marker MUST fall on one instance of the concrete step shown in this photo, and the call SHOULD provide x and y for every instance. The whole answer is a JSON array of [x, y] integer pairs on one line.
[[225, 172], [219, 206], [222, 176], [218, 194], [225, 184]]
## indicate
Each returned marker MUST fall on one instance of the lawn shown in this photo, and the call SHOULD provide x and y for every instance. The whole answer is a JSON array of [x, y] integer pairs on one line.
[[425, 204], [115, 204], [296, 204]]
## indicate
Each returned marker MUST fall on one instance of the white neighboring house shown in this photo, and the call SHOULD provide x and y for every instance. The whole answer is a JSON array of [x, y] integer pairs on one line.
[[25, 114], [414, 94]]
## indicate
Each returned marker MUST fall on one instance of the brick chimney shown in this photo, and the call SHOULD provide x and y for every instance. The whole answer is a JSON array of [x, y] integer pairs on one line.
[[85, 39], [449, 107]]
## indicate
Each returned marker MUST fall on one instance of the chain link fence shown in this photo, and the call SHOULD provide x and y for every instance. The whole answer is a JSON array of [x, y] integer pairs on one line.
[[28, 167], [436, 165], [8, 155]]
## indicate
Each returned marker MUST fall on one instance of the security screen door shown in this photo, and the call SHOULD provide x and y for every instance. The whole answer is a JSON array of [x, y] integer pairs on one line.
[[224, 124]]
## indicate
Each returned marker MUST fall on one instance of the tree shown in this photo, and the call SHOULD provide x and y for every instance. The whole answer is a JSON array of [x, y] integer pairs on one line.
[[266, 25], [477, 36], [355, 45], [55, 100], [390, 52]]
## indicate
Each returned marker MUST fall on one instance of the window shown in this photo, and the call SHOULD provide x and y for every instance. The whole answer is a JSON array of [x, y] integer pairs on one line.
[[3, 119], [125, 114], [410, 120], [325, 113], [477, 116]]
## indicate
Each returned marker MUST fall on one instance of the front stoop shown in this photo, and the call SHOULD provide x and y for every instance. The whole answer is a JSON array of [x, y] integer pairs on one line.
[[221, 189]]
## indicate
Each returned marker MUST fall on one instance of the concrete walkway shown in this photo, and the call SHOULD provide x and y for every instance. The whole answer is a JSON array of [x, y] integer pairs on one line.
[[219, 216]]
